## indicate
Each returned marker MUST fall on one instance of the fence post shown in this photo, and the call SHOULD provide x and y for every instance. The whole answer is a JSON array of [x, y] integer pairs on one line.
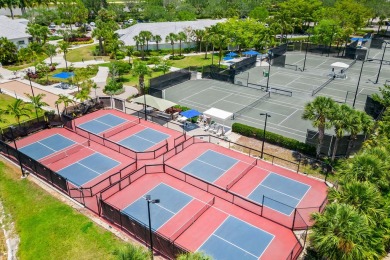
[[262, 206], [293, 223]]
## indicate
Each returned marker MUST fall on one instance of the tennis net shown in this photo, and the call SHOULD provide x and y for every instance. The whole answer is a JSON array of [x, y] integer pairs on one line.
[[191, 221], [251, 105], [235, 180], [315, 91], [121, 128], [65, 153]]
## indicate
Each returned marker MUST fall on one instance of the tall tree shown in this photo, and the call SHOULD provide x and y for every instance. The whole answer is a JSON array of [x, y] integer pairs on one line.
[[181, 37], [147, 35], [129, 50], [340, 118], [18, 109], [72, 11], [141, 70], [8, 51], [37, 102], [171, 38], [38, 32], [318, 112], [10, 4], [199, 36], [157, 39], [64, 47], [51, 51]]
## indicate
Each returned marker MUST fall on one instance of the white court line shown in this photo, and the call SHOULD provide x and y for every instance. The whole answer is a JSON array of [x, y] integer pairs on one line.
[[236, 246], [288, 117], [209, 164], [222, 99], [278, 191]]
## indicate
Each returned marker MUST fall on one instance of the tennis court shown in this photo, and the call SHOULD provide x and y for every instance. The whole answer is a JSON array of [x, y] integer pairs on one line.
[[210, 165], [236, 239], [46, 146], [88, 168], [285, 192], [102, 124], [171, 202], [143, 140]]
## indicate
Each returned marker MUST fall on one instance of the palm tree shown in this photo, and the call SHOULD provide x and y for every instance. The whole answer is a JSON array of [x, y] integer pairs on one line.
[[37, 101], [115, 45], [206, 39], [83, 95], [2, 113], [148, 36], [171, 38], [64, 46], [99, 33], [341, 232], [64, 99], [137, 42], [319, 111], [51, 51], [220, 41], [141, 69], [364, 123], [164, 66], [181, 37], [199, 36], [141, 41], [340, 118], [18, 109], [157, 39], [129, 51]]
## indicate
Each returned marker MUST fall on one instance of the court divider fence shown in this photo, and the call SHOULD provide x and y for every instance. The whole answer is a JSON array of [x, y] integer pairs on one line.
[[168, 247]]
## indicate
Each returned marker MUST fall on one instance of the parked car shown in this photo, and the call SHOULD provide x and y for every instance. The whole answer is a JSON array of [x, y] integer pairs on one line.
[[62, 25], [52, 26], [92, 24], [77, 24], [88, 28]]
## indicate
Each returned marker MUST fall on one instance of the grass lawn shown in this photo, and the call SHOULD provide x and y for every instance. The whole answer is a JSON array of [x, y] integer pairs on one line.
[[48, 228], [5, 100], [83, 53], [131, 80], [197, 60]]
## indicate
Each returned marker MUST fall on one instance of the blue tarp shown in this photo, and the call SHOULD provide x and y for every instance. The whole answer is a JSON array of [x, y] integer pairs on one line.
[[232, 54], [190, 113], [359, 39], [63, 75], [251, 52]]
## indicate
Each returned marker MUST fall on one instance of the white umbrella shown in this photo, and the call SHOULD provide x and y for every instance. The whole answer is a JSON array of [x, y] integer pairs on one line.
[[340, 65]]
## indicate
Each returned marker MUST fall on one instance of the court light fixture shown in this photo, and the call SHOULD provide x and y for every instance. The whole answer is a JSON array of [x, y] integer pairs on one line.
[[265, 127], [154, 201]]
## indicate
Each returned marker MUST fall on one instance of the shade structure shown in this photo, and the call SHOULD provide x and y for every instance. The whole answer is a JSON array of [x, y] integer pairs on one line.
[[218, 113], [232, 54], [251, 53], [227, 58], [63, 75], [190, 113], [155, 102], [339, 65]]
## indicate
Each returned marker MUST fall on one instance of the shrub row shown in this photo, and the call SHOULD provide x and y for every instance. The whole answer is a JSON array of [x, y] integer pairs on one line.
[[273, 138], [79, 39], [79, 43]]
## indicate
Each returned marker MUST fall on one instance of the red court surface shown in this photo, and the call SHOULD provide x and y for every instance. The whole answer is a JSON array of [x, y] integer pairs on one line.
[[313, 201], [175, 137], [195, 235]]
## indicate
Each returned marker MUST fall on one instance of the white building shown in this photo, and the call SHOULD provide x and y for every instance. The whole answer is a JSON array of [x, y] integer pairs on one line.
[[163, 29], [14, 30]]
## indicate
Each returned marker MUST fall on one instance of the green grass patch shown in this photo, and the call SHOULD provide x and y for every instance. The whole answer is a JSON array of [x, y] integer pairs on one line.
[[197, 60], [19, 67], [6, 100], [131, 80], [81, 53], [48, 228]]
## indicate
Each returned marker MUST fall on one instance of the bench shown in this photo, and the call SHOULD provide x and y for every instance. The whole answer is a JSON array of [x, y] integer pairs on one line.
[[164, 115]]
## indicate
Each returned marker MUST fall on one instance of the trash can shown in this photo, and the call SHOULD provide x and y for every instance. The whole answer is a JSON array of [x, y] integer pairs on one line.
[[266, 73]]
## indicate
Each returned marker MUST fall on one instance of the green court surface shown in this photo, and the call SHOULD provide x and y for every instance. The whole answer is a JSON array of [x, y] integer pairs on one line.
[[290, 91]]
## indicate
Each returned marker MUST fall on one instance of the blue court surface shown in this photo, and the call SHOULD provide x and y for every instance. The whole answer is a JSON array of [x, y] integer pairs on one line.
[[210, 166], [47, 146], [88, 168], [171, 202], [281, 193], [143, 140], [102, 124], [236, 239]]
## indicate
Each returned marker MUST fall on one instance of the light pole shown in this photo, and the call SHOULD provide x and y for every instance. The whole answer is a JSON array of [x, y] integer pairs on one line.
[[144, 90], [270, 54], [357, 87], [12, 128], [149, 200], [307, 45], [265, 127], [380, 66]]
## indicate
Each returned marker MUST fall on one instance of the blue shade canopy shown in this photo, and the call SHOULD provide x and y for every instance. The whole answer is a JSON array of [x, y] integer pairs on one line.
[[359, 39], [232, 54], [251, 52], [227, 58], [190, 113], [63, 75]]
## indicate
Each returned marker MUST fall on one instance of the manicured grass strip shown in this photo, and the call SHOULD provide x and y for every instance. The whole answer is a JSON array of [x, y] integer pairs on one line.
[[197, 60], [48, 228], [81, 53]]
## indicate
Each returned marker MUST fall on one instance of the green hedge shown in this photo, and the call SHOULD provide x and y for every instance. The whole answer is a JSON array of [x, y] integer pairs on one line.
[[273, 138]]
